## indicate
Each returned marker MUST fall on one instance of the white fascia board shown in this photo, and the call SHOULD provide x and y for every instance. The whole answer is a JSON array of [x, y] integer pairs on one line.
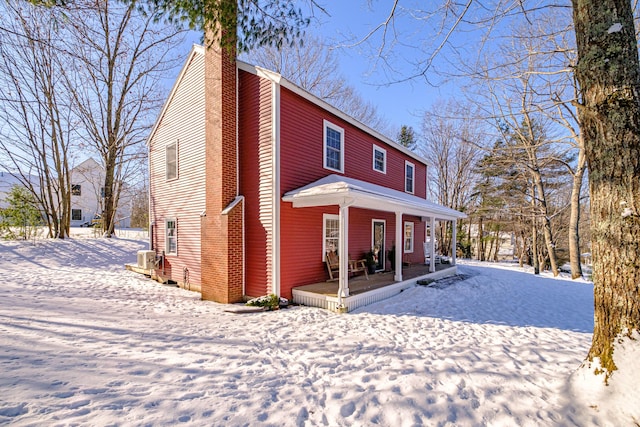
[[366, 200]]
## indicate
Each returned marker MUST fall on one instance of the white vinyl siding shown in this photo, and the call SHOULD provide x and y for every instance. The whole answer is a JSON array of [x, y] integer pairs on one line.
[[171, 156], [182, 122]]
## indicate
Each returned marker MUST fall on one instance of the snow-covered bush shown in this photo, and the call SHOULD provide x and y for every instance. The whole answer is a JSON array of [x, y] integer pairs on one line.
[[271, 302]]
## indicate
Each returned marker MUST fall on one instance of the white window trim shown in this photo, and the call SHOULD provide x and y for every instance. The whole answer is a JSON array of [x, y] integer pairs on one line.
[[413, 177], [328, 124], [166, 236], [325, 217], [166, 172], [384, 162], [411, 225]]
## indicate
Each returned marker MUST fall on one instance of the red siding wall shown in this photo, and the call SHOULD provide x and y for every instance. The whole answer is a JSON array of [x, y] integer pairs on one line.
[[301, 147], [255, 128], [301, 247], [301, 150]]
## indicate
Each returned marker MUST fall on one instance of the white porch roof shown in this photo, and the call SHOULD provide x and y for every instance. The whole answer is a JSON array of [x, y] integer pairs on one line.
[[344, 191]]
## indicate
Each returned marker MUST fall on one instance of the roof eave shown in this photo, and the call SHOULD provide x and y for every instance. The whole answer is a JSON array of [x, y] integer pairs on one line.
[[365, 200]]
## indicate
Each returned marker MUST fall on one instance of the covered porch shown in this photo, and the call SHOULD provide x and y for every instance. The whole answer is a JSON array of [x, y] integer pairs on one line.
[[347, 193], [378, 287]]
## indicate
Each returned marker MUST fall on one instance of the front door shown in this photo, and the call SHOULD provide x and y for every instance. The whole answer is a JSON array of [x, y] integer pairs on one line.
[[378, 243]]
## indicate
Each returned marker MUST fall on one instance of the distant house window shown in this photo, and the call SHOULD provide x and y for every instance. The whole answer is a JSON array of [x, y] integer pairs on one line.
[[331, 233], [171, 237], [76, 214], [102, 192], [172, 160], [333, 147], [76, 190], [409, 176], [408, 237], [379, 159]]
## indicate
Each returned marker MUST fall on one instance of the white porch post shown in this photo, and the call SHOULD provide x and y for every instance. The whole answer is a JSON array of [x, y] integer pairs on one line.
[[454, 244], [432, 245], [343, 254], [399, 247]]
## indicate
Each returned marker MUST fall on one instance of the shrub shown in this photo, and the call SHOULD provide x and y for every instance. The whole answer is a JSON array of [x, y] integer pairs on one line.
[[271, 302]]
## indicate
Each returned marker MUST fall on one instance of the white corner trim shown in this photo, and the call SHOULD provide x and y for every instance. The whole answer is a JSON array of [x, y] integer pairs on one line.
[[275, 112]]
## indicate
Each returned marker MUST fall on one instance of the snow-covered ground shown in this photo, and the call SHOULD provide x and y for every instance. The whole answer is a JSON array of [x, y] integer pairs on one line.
[[85, 342]]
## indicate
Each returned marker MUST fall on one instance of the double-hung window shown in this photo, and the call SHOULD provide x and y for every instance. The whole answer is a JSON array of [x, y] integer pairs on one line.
[[409, 177], [333, 147], [171, 245], [331, 233], [76, 190], [379, 159], [408, 237], [171, 157]]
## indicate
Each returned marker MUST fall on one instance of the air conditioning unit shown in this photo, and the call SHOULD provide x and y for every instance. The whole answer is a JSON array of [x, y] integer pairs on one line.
[[146, 259]]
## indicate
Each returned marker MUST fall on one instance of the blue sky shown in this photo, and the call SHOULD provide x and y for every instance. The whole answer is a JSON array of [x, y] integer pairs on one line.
[[399, 103]]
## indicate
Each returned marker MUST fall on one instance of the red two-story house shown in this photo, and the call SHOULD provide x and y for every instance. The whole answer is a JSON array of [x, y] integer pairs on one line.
[[253, 180]]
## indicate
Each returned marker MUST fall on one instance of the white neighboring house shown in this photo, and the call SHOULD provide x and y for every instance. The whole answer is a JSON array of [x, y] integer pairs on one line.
[[87, 193]]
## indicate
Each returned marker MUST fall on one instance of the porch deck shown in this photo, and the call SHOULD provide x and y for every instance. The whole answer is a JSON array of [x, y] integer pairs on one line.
[[380, 286]]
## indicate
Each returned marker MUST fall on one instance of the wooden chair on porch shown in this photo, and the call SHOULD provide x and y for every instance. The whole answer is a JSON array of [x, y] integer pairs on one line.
[[333, 266]]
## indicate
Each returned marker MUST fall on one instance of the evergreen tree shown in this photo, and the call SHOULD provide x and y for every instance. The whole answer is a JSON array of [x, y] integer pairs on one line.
[[21, 217], [407, 137]]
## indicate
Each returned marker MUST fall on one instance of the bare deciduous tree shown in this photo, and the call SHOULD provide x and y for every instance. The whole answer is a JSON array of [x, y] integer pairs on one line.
[[35, 122], [315, 68], [117, 57], [450, 146], [608, 73]]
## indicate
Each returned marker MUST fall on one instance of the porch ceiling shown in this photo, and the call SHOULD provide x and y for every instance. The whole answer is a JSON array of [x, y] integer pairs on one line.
[[344, 191]]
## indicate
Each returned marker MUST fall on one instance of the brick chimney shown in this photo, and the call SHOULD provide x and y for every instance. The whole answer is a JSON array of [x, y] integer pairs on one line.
[[222, 226]]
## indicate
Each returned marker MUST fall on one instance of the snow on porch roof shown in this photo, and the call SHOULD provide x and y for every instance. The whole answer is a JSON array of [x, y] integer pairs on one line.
[[341, 190]]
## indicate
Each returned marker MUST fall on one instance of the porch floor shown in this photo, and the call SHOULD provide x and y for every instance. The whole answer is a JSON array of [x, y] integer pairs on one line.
[[359, 284]]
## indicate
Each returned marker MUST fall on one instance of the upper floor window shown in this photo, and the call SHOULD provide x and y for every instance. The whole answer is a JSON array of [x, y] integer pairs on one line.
[[76, 190], [333, 147], [379, 159], [409, 177], [171, 155]]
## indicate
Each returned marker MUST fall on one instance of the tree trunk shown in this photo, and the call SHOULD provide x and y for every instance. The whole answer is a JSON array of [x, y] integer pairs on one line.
[[480, 240], [534, 233], [574, 219], [546, 228], [608, 74]]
